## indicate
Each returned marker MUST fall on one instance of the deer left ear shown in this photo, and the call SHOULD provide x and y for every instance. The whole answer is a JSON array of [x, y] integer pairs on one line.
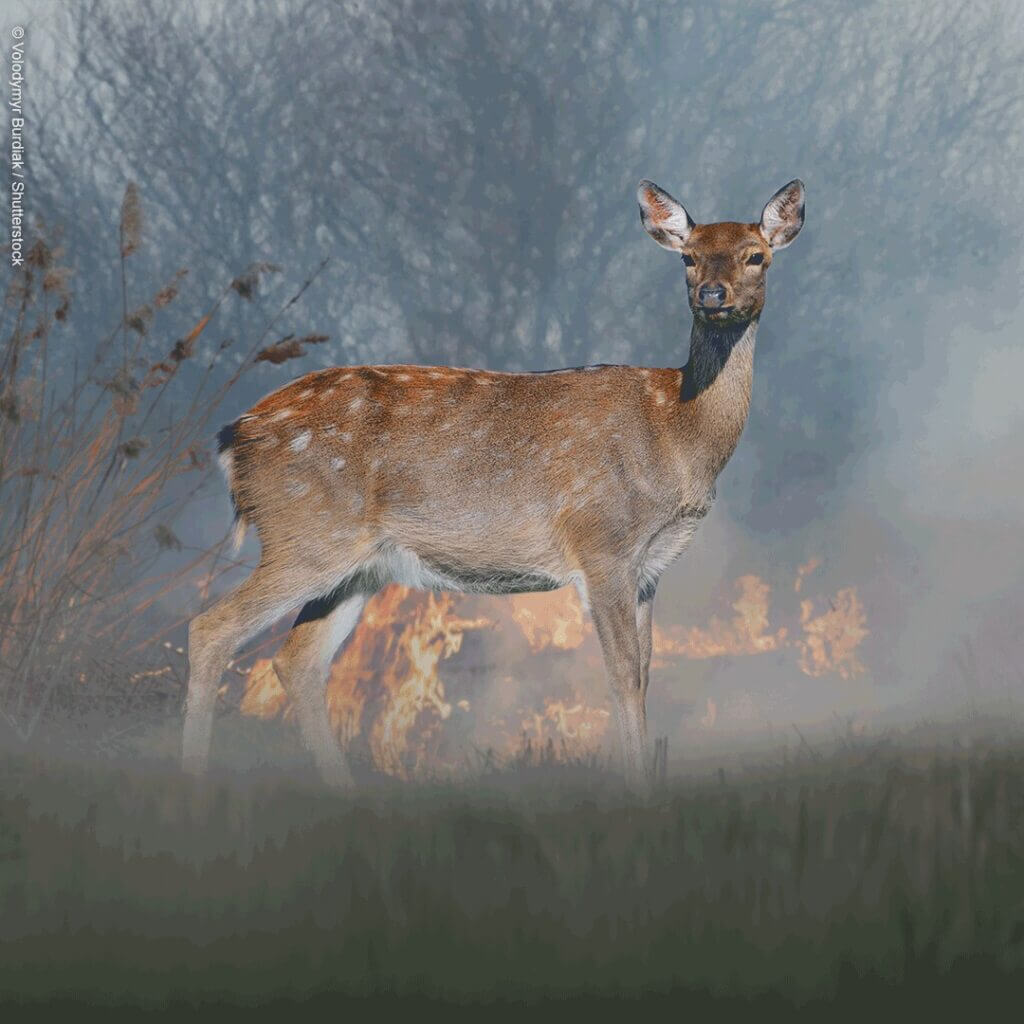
[[783, 215], [664, 218]]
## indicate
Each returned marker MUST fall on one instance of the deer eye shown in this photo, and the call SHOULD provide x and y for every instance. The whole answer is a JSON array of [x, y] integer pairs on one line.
[[756, 259], [688, 259]]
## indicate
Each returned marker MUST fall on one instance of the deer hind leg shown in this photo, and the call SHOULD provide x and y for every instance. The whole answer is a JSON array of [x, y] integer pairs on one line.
[[614, 610], [303, 664], [215, 635]]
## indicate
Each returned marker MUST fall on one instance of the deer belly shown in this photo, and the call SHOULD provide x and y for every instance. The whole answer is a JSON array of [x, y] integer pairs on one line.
[[397, 563]]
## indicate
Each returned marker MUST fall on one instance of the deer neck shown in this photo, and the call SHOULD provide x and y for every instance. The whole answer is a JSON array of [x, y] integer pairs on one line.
[[715, 391]]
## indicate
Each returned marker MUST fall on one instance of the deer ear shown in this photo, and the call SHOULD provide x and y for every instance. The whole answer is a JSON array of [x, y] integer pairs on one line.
[[663, 217], [783, 215]]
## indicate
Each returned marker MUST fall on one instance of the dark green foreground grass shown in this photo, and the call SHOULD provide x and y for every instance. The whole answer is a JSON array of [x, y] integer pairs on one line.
[[854, 881]]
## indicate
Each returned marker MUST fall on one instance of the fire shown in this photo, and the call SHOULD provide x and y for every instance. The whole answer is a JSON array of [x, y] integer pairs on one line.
[[436, 635], [552, 619], [803, 571], [578, 725], [746, 633], [264, 696], [831, 639], [390, 691]]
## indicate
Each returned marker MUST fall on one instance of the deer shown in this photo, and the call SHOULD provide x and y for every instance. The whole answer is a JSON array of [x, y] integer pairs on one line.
[[488, 482]]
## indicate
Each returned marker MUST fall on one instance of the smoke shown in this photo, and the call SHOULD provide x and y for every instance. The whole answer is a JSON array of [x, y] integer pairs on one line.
[[470, 170]]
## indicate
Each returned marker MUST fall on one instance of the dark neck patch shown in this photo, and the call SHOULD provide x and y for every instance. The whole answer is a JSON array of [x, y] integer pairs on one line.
[[710, 348]]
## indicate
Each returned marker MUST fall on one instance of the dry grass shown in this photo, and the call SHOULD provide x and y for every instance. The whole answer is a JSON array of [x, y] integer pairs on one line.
[[99, 455]]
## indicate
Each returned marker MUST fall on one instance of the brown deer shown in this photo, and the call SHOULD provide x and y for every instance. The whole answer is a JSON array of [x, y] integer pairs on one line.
[[496, 483]]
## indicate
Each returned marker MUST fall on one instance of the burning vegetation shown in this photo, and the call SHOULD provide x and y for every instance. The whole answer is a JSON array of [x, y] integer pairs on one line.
[[396, 690]]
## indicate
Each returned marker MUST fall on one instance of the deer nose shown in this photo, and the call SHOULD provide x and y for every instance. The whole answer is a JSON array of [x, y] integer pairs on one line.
[[711, 294]]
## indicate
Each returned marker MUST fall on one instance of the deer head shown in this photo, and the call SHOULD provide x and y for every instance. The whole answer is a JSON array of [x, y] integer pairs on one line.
[[725, 262]]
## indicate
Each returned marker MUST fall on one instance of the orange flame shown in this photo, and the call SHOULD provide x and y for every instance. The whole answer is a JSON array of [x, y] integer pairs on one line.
[[386, 690], [804, 570], [578, 725], [831, 639], [745, 633], [552, 619]]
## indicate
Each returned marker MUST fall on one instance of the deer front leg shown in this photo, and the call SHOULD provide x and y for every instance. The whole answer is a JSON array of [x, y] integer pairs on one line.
[[614, 610]]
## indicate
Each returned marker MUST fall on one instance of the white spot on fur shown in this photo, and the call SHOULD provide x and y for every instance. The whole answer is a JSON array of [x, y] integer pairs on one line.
[[346, 436], [346, 376], [330, 431], [402, 376], [304, 394], [355, 405], [337, 463], [447, 425], [375, 463], [479, 432], [659, 398], [300, 442], [565, 444], [282, 415], [326, 393]]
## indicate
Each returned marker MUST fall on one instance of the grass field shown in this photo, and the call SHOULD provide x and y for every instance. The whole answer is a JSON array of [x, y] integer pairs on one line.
[[831, 884]]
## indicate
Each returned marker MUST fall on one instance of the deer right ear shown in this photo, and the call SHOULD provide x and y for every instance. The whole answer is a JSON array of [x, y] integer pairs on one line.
[[783, 215], [663, 217]]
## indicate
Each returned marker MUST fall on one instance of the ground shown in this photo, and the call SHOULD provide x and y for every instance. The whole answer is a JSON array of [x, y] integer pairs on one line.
[[886, 872]]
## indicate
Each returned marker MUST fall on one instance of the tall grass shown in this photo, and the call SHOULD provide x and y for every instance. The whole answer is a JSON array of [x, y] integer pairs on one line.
[[101, 449], [898, 872]]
